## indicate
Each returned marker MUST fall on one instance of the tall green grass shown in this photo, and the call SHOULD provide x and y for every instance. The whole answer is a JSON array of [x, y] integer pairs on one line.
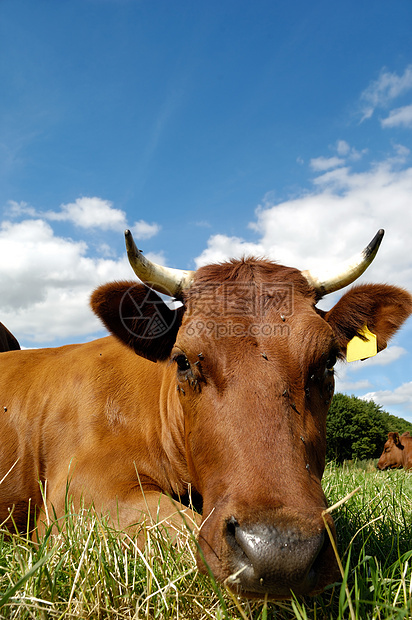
[[88, 570]]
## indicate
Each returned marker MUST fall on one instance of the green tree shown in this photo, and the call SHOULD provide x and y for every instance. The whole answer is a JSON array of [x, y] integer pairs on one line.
[[355, 429], [398, 424]]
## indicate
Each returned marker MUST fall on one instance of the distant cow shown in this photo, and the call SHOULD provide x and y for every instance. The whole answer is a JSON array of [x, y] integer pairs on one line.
[[7, 341], [233, 411], [397, 452]]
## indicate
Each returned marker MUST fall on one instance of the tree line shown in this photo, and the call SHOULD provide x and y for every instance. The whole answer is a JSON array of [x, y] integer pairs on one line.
[[358, 429]]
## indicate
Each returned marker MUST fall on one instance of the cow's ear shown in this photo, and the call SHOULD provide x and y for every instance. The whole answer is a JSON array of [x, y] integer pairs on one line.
[[138, 317], [381, 307], [397, 441]]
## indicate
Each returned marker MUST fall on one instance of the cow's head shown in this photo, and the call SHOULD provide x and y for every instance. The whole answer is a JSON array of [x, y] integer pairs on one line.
[[250, 360], [392, 455]]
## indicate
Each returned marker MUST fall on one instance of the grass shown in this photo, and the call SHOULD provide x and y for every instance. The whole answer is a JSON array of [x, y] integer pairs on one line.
[[88, 570]]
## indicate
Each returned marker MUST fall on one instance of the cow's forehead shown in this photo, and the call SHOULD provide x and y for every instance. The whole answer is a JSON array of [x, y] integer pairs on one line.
[[249, 271], [255, 305], [247, 288], [290, 330]]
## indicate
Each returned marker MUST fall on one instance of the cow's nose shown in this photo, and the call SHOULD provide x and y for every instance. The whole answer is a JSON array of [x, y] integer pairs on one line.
[[272, 560]]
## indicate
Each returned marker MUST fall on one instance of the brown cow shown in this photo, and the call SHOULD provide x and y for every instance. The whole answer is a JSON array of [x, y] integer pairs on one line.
[[397, 452], [7, 341], [234, 410]]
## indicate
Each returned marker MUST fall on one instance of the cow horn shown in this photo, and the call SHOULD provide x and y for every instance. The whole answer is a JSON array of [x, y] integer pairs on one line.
[[347, 272], [162, 279]]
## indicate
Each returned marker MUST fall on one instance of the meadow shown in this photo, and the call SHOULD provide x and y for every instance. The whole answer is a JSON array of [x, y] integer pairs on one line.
[[88, 570]]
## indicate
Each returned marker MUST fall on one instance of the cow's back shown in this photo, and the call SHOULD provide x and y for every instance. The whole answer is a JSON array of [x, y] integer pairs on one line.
[[67, 406], [29, 381]]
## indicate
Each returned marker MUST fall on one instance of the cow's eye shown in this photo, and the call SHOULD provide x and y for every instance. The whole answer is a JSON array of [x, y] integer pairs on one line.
[[331, 361], [182, 362]]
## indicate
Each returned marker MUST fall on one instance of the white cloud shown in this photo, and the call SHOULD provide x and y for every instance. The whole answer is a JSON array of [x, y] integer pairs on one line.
[[346, 373], [337, 219], [344, 153], [46, 282], [86, 213], [144, 230], [342, 147], [17, 209], [221, 247], [326, 163], [402, 151], [367, 113], [350, 387], [157, 257], [399, 117], [385, 89], [402, 395], [90, 212]]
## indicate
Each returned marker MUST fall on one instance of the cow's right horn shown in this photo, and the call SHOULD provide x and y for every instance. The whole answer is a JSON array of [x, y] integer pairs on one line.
[[328, 282], [162, 279]]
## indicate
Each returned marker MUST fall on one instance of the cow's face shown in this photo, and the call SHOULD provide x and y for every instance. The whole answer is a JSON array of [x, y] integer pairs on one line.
[[254, 375], [250, 363], [392, 455]]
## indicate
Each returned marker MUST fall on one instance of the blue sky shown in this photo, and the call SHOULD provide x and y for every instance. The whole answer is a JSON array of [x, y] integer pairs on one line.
[[213, 130]]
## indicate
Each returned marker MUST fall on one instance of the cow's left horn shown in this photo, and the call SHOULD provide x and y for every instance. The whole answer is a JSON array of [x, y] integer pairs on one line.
[[347, 272], [162, 279]]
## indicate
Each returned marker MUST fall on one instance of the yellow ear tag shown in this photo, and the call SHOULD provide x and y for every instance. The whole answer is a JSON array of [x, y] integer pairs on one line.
[[359, 349]]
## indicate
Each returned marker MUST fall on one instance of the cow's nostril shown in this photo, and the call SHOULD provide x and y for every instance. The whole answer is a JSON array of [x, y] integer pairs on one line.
[[231, 525]]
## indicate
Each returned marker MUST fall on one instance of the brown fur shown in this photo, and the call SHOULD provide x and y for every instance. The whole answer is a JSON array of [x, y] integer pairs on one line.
[[397, 452], [234, 410], [250, 270]]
